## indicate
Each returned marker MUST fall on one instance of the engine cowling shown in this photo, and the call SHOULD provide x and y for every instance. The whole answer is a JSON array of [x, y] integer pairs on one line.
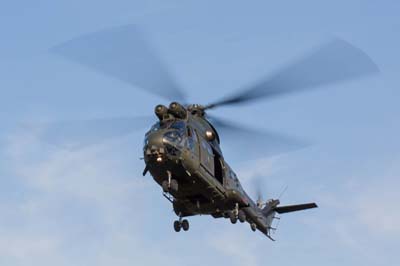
[[177, 110], [161, 111]]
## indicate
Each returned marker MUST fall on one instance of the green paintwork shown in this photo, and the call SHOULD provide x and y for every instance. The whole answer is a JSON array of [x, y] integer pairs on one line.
[[180, 144]]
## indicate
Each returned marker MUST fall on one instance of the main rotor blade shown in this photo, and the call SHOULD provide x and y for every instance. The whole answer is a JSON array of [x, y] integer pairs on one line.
[[123, 53], [333, 62], [81, 133], [252, 143]]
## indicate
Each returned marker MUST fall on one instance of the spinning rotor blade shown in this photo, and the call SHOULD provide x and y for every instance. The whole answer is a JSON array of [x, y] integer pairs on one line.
[[254, 143], [123, 53], [259, 186], [81, 133], [333, 62]]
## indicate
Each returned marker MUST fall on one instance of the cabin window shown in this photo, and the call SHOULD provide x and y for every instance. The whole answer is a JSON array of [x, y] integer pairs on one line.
[[208, 151], [194, 135], [190, 141], [218, 168]]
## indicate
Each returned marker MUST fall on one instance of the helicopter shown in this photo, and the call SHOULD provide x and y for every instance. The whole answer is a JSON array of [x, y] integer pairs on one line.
[[182, 150]]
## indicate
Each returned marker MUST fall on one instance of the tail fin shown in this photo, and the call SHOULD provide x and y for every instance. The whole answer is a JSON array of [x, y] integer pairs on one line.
[[271, 208], [293, 208]]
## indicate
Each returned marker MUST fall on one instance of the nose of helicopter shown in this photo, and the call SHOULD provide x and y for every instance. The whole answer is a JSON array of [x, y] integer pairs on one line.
[[154, 144], [163, 144]]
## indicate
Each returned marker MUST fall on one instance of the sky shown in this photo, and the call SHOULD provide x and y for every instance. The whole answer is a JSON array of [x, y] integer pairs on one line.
[[91, 206]]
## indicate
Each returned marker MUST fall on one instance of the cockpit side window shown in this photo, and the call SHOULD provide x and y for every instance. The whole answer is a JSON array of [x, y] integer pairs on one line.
[[190, 140]]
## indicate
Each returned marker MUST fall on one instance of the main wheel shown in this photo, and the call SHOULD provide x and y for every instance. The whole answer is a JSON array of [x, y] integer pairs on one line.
[[165, 186], [177, 226], [232, 217], [242, 216], [253, 227], [185, 225], [174, 185]]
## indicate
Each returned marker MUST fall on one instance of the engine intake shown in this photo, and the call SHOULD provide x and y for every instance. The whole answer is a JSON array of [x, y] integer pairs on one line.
[[161, 111], [177, 110]]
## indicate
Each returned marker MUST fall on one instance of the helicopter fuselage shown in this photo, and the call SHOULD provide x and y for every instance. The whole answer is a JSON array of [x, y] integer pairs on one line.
[[183, 155]]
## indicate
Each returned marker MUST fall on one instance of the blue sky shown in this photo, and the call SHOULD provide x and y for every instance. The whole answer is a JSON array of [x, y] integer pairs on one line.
[[91, 206]]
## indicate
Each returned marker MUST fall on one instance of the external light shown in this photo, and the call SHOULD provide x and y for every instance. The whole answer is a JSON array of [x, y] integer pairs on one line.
[[210, 135]]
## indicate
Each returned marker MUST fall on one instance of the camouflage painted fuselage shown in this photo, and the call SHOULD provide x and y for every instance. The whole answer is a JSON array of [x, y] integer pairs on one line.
[[207, 184]]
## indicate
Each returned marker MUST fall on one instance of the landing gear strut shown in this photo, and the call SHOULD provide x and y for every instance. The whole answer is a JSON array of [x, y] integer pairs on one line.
[[184, 224]]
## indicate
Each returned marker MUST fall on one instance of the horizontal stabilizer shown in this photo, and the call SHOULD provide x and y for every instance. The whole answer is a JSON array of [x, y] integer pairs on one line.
[[293, 208]]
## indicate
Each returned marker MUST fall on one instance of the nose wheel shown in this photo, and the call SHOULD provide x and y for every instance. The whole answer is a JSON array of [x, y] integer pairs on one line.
[[181, 224], [169, 186]]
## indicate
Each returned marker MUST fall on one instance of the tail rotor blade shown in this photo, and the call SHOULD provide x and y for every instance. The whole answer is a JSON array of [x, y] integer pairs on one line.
[[257, 184], [259, 188]]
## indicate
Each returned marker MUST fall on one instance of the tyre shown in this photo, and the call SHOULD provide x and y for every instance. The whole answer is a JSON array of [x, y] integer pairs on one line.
[[177, 226], [253, 227], [185, 225], [233, 218], [242, 216]]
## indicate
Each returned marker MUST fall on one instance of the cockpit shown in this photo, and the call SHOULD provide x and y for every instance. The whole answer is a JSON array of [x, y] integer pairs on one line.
[[175, 134], [167, 134]]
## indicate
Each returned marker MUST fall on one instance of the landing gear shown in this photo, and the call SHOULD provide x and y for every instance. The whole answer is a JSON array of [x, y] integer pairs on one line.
[[168, 187], [253, 227], [184, 224], [177, 226], [233, 215], [242, 216], [170, 184]]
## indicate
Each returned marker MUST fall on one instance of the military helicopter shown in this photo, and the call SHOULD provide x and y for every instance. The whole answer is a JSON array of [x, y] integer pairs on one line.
[[182, 150]]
